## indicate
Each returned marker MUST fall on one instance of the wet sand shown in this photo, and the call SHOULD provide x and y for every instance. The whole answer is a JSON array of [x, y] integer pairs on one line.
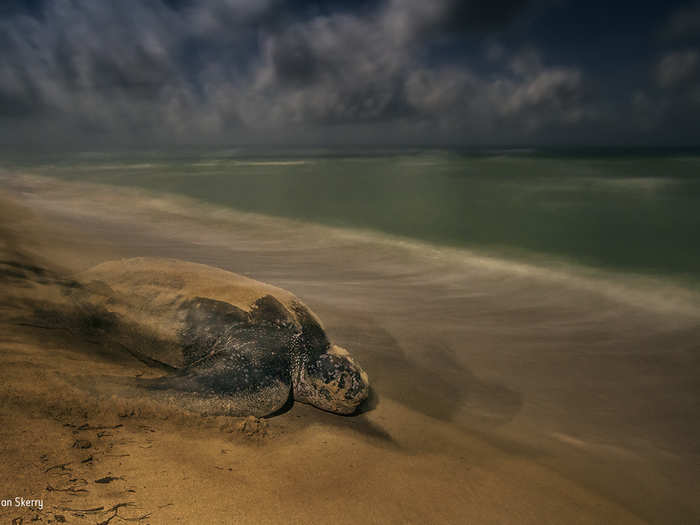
[[503, 393]]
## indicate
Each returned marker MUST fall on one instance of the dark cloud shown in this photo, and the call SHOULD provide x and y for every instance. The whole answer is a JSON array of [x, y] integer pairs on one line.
[[293, 59], [187, 71], [25, 7], [482, 14], [677, 75], [679, 69], [683, 23]]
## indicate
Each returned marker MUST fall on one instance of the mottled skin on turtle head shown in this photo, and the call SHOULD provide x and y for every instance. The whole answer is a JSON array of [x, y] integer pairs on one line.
[[332, 382]]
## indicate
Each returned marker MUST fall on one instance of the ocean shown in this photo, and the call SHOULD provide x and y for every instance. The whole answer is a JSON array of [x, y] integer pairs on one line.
[[636, 212]]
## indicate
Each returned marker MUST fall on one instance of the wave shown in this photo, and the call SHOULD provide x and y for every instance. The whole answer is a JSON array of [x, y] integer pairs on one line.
[[174, 216]]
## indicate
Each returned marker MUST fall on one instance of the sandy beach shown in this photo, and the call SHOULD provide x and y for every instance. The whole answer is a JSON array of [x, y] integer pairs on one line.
[[502, 392]]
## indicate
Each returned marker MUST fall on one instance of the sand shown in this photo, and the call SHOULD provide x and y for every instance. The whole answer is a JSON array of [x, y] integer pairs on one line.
[[537, 421]]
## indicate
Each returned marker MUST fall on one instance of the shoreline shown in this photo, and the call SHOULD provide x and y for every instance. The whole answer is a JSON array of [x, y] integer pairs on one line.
[[641, 290]]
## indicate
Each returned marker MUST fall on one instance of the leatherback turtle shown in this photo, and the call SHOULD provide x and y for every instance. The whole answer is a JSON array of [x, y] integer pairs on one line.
[[230, 344]]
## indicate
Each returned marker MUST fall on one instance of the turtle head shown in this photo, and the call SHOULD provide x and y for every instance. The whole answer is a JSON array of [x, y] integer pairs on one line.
[[332, 382]]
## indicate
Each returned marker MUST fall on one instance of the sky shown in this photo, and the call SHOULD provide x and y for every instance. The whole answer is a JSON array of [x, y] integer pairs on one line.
[[159, 73]]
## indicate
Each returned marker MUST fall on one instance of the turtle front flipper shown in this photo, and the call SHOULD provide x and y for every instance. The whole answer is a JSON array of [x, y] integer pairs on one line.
[[213, 394], [236, 362]]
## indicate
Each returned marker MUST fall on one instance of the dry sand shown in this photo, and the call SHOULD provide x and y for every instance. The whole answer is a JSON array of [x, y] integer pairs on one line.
[[506, 439]]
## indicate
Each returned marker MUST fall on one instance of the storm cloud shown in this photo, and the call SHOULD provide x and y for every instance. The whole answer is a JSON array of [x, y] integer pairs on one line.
[[395, 71]]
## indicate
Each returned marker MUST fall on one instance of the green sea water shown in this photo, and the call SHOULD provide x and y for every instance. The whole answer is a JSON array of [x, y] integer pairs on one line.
[[636, 212]]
